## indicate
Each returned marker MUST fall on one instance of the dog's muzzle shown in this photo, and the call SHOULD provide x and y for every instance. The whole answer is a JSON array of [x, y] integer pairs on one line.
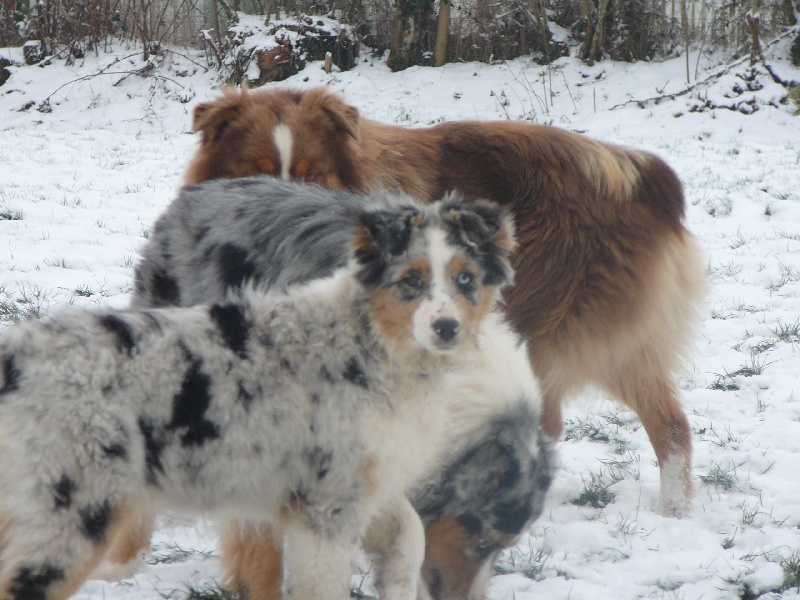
[[446, 329]]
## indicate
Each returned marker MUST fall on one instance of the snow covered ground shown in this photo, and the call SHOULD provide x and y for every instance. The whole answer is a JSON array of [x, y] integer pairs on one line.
[[89, 160]]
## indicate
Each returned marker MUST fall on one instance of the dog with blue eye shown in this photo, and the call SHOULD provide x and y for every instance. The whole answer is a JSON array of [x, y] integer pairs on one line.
[[219, 236], [313, 410]]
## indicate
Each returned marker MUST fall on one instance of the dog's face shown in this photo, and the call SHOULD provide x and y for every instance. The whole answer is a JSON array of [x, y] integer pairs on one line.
[[435, 272], [282, 133]]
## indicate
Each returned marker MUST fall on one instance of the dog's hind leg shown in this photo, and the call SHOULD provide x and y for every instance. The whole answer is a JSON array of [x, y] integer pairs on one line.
[[396, 538], [551, 420], [647, 389], [128, 546], [252, 559], [317, 563], [654, 398]]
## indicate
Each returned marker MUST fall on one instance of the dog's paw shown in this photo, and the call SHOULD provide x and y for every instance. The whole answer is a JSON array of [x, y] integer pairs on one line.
[[113, 571]]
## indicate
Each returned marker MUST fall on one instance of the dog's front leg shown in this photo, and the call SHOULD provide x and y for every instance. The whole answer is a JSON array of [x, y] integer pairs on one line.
[[396, 539], [317, 565]]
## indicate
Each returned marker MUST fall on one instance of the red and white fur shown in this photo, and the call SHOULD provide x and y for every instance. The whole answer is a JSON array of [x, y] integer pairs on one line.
[[609, 281]]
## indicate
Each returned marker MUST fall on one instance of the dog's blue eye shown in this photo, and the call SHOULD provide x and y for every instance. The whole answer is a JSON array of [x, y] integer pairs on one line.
[[465, 279]]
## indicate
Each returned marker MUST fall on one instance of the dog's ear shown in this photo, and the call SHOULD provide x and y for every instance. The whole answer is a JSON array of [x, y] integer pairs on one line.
[[380, 235], [343, 117], [487, 230], [214, 117]]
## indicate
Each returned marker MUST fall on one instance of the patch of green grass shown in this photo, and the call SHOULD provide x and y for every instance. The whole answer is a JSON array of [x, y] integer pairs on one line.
[[791, 572], [764, 346], [761, 405], [595, 429], [750, 515], [9, 215], [172, 553], [213, 592], [622, 465], [720, 477], [738, 241], [791, 578], [724, 383], [616, 419], [719, 206], [727, 543], [785, 235], [56, 263], [727, 381], [31, 304], [788, 275], [626, 526], [596, 490], [583, 429], [755, 367], [787, 332], [735, 312], [603, 429], [748, 593], [724, 439], [727, 271], [529, 563], [627, 464], [84, 291]]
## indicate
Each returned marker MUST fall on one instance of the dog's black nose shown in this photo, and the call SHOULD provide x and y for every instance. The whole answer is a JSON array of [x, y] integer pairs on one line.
[[446, 329]]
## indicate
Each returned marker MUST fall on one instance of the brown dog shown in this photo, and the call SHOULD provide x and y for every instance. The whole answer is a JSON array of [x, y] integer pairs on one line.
[[609, 282]]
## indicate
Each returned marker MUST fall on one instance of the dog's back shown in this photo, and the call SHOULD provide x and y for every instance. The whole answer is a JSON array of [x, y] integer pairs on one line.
[[217, 236]]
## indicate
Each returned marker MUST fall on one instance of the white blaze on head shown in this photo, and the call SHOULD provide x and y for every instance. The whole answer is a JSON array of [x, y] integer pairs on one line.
[[439, 303], [282, 136]]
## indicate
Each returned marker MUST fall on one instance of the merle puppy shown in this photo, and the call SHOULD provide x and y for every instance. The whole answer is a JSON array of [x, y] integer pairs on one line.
[[218, 236], [313, 410]]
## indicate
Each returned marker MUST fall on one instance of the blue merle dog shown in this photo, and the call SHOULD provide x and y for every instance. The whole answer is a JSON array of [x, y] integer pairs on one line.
[[314, 410], [221, 235]]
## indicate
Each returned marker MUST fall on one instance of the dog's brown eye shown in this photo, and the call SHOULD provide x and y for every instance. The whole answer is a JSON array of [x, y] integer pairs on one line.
[[412, 284], [484, 548], [414, 280]]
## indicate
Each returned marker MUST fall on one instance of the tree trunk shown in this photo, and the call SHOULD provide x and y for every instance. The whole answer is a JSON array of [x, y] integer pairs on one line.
[[588, 12], [597, 41], [215, 9], [442, 33], [789, 12], [686, 37], [408, 26], [538, 13], [753, 19]]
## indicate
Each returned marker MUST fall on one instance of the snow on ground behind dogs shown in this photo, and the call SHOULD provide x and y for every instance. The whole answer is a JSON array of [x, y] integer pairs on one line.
[[83, 179]]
